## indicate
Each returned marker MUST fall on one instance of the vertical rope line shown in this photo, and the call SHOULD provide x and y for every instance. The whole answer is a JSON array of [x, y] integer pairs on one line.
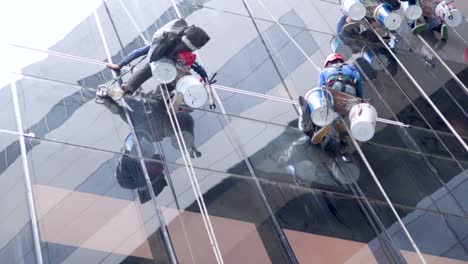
[[241, 152], [160, 148], [289, 36], [171, 185], [392, 207], [190, 170], [138, 29], [27, 176], [238, 148], [159, 214], [270, 55], [192, 175]]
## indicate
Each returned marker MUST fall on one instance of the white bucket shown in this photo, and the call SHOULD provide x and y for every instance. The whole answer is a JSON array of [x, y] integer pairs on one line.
[[412, 12], [363, 118], [387, 18], [195, 94], [320, 102], [353, 9], [164, 70], [452, 18]]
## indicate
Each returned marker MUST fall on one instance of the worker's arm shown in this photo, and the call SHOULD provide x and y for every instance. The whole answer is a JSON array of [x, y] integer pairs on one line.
[[357, 78], [340, 25], [130, 57], [322, 80], [133, 55], [200, 71]]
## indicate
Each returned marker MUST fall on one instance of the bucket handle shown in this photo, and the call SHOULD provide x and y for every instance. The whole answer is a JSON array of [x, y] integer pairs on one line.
[[359, 110], [447, 8], [207, 84], [209, 89]]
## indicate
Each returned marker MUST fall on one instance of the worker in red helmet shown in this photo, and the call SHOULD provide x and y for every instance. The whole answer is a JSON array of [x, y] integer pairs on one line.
[[176, 41], [338, 76], [183, 58]]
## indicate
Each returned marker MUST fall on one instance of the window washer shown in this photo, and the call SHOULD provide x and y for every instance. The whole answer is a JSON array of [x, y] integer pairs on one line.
[[175, 41], [338, 76], [433, 24], [355, 35], [430, 19], [130, 175], [185, 58]]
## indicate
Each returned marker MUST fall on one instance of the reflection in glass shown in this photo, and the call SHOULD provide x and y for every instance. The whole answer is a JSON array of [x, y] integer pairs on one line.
[[16, 239], [92, 191]]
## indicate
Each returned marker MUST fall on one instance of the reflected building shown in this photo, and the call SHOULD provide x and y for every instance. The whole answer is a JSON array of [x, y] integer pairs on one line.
[[258, 192]]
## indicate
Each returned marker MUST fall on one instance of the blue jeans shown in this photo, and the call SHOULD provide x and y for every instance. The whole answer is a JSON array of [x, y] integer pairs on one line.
[[433, 23], [133, 55], [340, 25]]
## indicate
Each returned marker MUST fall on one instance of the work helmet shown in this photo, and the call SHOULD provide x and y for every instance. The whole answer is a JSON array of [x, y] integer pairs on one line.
[[186, 58], [333, 57]]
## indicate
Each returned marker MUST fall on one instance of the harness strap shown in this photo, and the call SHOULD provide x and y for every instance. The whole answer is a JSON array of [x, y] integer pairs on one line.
[[339, 76]]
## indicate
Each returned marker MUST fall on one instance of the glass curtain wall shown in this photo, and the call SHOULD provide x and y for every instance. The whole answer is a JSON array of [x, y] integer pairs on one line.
[[133, 182]]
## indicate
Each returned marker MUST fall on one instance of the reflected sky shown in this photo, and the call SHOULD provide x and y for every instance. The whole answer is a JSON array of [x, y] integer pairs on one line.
[[38, 24]]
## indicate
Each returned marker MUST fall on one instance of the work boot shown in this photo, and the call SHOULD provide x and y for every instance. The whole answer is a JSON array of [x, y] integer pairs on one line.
[[320, 134], [419, 28], [117, 93], [444, 32], [301, 122], [303, 104], [304, 124]]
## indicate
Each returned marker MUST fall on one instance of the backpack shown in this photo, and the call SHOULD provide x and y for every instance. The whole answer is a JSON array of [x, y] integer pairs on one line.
[[165, 39]]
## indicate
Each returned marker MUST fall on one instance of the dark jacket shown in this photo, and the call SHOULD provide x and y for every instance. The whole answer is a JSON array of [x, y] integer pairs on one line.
[[174, 37]]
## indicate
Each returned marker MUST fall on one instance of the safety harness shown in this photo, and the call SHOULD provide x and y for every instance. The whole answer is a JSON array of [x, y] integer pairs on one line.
[[339, 77]]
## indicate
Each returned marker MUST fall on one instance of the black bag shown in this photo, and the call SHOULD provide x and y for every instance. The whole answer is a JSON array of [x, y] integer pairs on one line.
[[174, 37]]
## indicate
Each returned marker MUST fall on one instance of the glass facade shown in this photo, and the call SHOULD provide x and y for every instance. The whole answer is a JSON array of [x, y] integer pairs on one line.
[[84, 180]]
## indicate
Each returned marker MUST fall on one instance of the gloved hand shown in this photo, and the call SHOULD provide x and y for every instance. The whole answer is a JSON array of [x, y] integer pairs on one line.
[[113, 66], [208, 81]]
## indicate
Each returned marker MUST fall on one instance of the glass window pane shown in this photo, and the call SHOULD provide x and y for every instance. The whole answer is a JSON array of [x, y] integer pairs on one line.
[[93, 205], [16, 238], [69, 114], [7, 116]]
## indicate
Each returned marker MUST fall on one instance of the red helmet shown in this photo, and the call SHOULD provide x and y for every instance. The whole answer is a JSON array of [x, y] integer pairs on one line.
[[186, 58], [332, 57]]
